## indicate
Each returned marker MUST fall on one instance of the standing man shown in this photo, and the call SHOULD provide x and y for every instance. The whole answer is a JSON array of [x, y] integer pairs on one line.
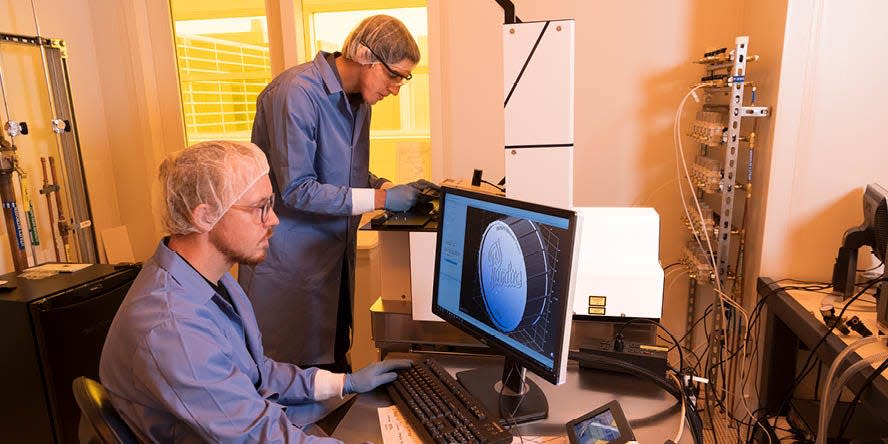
[[313, 122], [183, 360]]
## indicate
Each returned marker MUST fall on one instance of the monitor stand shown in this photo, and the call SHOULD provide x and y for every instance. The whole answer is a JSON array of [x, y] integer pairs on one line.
[[845, 268], [522, 400]]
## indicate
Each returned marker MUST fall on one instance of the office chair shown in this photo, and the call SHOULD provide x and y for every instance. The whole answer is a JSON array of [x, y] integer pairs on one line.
[[99, 422]]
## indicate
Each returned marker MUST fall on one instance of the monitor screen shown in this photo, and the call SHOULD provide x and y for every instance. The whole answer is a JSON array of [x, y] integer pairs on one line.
[[599, 429], [873, 233], [875, 216], [503, 273]]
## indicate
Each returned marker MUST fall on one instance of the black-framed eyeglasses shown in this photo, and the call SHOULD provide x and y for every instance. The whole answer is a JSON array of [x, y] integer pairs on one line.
[[393, 75], [264, 208]]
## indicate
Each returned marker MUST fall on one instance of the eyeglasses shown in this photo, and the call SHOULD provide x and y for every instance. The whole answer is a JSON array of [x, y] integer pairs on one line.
[[396, 77], [264, 208]]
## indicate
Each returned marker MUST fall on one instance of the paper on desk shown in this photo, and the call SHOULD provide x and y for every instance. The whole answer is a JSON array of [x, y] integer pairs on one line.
[[540, 440], [59, 268], [395, 429]]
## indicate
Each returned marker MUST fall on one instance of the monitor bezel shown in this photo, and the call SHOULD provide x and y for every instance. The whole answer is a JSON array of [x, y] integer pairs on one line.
[[626, 434], [556, 375]]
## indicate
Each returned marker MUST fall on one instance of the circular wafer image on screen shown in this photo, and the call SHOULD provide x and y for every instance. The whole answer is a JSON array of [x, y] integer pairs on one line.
[[513, 273]]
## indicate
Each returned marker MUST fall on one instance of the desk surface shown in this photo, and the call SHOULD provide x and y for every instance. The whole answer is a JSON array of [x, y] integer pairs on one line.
[[652, 413], [430, 227], [864, 308]]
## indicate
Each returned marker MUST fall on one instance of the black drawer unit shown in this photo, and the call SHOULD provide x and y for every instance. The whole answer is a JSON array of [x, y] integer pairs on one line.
[[53, 330]]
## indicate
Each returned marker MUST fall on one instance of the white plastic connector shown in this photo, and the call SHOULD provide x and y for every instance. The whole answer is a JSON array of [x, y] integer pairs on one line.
[[696, 379]]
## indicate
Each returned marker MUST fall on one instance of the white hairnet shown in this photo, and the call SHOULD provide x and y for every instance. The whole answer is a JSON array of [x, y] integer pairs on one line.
[[216, 173], [386, 36]]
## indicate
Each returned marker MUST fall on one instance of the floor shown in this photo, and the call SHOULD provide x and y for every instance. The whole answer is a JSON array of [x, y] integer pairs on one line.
[[723, 432]]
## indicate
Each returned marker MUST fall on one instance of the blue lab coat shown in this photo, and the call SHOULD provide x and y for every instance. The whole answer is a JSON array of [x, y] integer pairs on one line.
[[181, 364], [318, 147]]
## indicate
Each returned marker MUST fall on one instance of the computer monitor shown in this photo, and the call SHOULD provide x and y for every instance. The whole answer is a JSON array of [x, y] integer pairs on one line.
[[504, 274], [873, 233]]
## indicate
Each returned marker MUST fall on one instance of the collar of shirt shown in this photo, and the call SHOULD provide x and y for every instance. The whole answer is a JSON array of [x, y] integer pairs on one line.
[[218, 287], [325, 62], [184, 274], [326, 65], [354, 99]]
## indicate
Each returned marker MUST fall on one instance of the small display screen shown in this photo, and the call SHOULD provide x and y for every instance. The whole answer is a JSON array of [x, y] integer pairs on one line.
[[599, 429]]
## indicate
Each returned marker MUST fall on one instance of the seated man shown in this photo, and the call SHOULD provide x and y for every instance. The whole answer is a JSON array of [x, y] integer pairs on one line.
[[183, 361]]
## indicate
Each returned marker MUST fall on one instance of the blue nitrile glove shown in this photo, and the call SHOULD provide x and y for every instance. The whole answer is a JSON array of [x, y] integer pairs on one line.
[[422, 184], [374, 375], [400, 198]]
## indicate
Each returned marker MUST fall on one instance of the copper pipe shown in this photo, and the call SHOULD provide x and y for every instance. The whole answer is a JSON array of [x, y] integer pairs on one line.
[[47, 188], [64, 228]]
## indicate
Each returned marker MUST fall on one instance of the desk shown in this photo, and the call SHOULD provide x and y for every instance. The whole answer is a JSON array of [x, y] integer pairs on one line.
[[791, 319], [652, 412]]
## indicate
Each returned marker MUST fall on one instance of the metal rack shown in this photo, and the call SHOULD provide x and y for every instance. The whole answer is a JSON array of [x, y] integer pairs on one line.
[[725, 140], [67, 204]]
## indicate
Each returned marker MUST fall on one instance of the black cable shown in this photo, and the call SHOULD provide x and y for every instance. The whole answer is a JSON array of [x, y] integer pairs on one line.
[[700, 319], [723, 379], [694, 355], [720, 401], [510, 419], [674, 264], [808, 283], [808, 428], [881, 262], [738, 350], [846, 420], [867, 286], [619, 337], [805, 368], [711, 420], [693, 418], [871, 269], [760, 305], [709, 374], [494, 185], [697, 361]]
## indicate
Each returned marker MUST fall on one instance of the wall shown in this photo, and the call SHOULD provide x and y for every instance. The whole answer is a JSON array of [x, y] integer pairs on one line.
[[826, 136], [766, 21], [632, 69], [70, 20], [126, 99], [467, 116], [140, 92], [819, 71]]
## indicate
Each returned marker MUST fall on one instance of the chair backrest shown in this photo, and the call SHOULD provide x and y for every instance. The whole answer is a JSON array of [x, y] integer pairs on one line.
[[102, 423]]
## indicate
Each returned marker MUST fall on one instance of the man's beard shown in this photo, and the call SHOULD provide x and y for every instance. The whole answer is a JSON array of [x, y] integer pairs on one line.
[[235, 256]]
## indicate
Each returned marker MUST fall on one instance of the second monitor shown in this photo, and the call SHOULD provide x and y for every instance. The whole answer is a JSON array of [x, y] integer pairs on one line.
[[504, 274]]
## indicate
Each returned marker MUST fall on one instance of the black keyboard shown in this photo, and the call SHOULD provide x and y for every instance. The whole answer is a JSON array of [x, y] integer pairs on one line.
[[440, 410]]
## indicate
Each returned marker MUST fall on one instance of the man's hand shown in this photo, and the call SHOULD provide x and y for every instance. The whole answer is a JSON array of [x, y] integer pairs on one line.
[[422, 184], [374, 375], [400, 198]]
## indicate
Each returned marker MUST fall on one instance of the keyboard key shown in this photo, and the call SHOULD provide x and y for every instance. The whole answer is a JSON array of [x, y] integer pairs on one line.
[[440, 409]]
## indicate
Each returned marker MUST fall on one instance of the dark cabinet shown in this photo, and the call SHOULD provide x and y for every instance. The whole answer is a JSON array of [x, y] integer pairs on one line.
[[53, 330]]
